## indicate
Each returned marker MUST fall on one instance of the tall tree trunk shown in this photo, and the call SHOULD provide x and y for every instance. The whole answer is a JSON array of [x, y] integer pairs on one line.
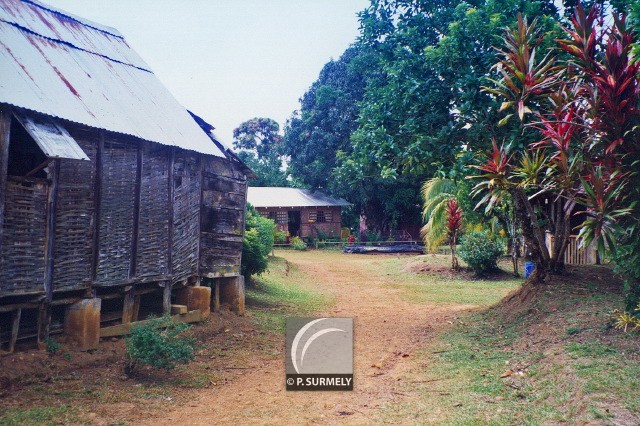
[[510, 220], [563, 209], [533, 234], [454, 260]]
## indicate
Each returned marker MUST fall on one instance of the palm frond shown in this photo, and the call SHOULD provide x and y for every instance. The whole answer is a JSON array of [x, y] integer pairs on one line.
[[435, 230]]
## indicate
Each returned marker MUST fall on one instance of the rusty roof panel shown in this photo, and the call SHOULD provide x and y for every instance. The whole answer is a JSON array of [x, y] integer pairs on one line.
[[55, 25], [57, 78]]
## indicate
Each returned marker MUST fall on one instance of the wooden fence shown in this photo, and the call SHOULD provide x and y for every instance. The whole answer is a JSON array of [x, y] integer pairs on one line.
[[575, 255]]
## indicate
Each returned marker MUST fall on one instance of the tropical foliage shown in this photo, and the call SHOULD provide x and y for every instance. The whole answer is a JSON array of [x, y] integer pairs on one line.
[[260, 146], [257, 244], [584, 110], [402, 104], [436, 194], [424, 91], [454, 224], [481, 250]]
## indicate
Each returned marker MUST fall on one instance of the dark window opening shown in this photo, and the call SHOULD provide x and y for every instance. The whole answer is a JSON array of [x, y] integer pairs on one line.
[[25, 156]]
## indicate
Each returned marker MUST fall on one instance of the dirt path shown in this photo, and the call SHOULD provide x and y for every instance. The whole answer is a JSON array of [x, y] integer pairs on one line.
[[387, 329]]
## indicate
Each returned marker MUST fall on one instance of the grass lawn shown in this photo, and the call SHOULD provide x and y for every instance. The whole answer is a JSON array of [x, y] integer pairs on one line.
[[560, 358], [283, 291], [428, 279], [554, 358]]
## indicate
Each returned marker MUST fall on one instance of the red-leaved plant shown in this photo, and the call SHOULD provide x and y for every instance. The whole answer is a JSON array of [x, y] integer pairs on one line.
[[454, 224], [586, 113]]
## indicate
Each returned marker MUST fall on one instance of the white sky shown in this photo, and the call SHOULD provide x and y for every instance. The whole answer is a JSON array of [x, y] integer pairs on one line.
[[231, 60]]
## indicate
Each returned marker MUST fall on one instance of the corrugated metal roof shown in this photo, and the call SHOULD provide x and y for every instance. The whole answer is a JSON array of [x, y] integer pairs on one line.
[[64, 66], [260, 196]]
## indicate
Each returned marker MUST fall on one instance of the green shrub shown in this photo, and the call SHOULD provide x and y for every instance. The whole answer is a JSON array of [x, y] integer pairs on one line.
[[374, 237], [52, 346], [279, 237], [298, 244], [627, 261], [160, 343], [481, 251], [257, 243]]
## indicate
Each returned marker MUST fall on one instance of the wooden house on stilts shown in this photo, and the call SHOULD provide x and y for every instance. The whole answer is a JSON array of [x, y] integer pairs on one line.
[[115, 203]]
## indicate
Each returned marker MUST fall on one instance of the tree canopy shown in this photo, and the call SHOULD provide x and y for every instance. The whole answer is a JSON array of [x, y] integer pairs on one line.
[[404, 103], [259, 146]]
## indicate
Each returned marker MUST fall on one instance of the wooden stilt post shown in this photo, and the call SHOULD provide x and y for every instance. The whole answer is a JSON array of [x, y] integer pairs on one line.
[[15, 327], [166, 298], [44, 314], [128, 306], [44, 321], [136, 308], [216, 295]]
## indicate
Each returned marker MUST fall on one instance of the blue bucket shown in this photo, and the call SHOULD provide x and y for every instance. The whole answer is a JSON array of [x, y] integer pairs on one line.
[[529, 267]]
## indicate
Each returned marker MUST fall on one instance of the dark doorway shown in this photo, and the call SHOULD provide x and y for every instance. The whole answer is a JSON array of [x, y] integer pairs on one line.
[[294, 223]]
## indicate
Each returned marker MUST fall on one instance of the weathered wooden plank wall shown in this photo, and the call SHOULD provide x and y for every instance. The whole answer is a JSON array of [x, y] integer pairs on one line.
[[22, 264], [222, 218], [186, 214], [5, 135], [153, 232], [136, 212], [119, 166], [75, 216]]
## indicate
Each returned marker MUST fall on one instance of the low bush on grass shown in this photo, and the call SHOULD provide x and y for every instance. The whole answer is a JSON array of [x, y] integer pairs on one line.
[[298, 244], [160, 343], [481, 251], [279, 237], [628, 321]]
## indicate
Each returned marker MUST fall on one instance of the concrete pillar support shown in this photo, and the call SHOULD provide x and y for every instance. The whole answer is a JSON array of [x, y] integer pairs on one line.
[[82, 324], [232, 293], [195, 298]]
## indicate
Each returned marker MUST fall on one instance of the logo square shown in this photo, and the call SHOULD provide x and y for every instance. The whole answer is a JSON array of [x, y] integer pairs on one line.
[[319, 354]]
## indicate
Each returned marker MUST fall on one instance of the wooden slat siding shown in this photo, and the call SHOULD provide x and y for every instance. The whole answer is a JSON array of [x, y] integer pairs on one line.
[[22, 265], [50, 232], [97, 202], [202, 162], [229, 200], [153, 230], [219, 257], [136, 212], [186, 211], [222, 219], [224, 185], [5, 137], [119, 169], [170, 209], [75, 217]]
